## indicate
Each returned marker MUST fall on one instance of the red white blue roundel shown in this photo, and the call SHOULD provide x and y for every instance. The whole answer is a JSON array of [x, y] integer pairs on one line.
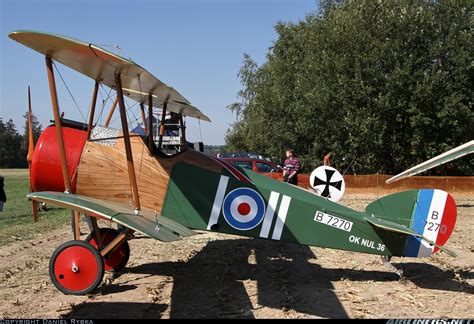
[[243, 208]]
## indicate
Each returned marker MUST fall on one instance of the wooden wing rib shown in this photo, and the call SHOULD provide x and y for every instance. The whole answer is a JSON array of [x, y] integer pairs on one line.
[[155, 226]]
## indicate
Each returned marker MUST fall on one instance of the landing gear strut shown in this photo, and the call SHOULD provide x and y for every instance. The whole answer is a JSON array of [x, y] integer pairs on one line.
[[117, 258]]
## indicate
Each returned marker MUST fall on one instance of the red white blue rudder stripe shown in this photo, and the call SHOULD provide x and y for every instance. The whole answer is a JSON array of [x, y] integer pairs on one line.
[[434, 216]]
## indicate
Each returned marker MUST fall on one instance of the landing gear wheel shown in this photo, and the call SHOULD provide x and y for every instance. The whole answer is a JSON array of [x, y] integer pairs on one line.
[[116, 260], [76, 268]]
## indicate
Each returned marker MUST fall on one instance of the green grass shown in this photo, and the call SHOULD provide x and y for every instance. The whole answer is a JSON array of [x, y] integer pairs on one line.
[[16, 220]]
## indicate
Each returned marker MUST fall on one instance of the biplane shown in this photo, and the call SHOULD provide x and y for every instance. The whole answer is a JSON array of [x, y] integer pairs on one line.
[[110, 175]]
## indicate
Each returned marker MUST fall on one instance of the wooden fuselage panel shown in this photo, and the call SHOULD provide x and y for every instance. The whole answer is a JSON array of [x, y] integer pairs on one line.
[[102, 172]]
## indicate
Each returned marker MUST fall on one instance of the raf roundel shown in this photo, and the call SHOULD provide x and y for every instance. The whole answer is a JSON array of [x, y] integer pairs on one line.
[[243, 209]]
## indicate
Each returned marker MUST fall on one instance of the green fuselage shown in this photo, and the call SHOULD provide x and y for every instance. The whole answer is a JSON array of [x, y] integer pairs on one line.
[[270, 209]]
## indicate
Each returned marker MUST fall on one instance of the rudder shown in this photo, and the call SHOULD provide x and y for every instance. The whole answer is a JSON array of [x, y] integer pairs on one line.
[[429, 212]]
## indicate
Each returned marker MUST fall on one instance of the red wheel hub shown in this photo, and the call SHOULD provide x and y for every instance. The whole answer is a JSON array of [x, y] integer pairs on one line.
[[76, 268]]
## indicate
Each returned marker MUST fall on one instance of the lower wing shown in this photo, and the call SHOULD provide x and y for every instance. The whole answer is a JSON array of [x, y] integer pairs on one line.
[[147, 223]]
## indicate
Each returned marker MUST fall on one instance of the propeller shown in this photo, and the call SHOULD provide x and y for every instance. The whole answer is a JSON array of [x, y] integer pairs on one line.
[[31, 150]]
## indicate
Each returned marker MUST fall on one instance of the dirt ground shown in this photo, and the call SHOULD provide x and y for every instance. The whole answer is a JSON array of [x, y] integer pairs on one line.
[[222, 276]]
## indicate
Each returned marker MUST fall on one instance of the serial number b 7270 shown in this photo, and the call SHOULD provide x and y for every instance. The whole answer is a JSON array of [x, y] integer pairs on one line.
[[333, 221]]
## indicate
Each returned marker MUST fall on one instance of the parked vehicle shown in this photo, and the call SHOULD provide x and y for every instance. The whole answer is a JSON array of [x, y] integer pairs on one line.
[[242, 155], [257, 165]]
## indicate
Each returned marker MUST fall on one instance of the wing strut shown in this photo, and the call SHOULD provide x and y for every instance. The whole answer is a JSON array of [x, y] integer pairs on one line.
[[162, 124], [57, 123], [142, 110], [111, 112], [92, 109], [128, 148], [150, 124]]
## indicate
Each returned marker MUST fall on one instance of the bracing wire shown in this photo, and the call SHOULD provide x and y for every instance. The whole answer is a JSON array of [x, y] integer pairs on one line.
[[134, 115], [118, 116], [69, 91], [119, 51], [103, 105], [117, 47], [104, 102]]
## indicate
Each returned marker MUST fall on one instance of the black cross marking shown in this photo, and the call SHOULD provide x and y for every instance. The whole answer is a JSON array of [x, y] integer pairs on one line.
[[328, 183]]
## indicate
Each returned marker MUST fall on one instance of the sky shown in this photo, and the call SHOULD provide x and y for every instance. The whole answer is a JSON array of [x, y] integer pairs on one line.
[[196, 46]]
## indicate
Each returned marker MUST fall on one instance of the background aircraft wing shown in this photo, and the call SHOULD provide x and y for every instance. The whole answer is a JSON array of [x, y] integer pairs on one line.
[[450, 155]]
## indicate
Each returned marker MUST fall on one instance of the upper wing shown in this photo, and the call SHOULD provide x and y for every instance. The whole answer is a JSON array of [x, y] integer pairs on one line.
[[174, 106], [155, 226], [101, 65], [450, 155]]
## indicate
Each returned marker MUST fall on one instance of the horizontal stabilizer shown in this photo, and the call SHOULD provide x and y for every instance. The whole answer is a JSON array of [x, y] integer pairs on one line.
[[147, 223], [397, 228]]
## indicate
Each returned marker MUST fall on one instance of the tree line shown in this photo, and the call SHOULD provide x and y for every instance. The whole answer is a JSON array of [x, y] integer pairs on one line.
[[13, 145], [388, 84]]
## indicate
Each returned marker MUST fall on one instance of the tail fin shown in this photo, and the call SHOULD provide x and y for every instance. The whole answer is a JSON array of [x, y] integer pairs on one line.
[[426, 216]]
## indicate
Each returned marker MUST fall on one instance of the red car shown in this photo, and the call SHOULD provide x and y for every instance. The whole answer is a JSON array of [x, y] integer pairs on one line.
[[257, 165]]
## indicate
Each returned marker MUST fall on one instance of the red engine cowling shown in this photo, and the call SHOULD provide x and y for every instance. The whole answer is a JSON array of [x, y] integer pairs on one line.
[[45, 173]]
